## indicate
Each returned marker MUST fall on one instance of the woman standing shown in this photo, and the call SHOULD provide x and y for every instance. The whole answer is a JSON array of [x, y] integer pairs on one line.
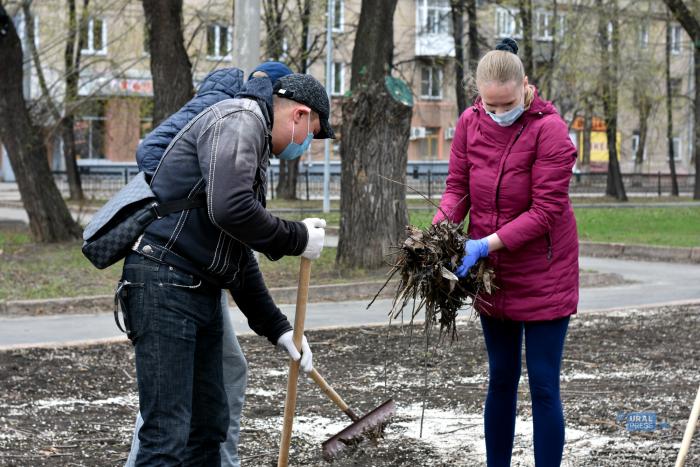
[[510, 167]]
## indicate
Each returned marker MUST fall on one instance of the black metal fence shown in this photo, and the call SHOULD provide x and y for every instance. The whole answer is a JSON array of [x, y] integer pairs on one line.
[[101, 182], [98, 182], [643, 184]]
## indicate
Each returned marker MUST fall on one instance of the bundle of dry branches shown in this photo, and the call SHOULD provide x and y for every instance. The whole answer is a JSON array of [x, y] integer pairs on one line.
[[424, 265]]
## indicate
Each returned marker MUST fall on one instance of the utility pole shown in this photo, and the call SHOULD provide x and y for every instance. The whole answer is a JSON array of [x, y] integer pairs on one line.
[[246, 34], [329, 91]]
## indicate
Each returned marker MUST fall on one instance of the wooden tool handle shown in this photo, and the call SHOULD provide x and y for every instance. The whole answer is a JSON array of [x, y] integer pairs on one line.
[[291, 400], [689, 430], [330, 392]]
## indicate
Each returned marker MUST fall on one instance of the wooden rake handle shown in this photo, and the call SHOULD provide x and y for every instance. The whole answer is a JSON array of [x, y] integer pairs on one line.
[[332, 395], [291, 400], [689, 430]]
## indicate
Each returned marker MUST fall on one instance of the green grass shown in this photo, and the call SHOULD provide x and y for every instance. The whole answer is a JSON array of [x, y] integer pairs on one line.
[[33, 271], [647, 226], [679, 226], [285, 272]]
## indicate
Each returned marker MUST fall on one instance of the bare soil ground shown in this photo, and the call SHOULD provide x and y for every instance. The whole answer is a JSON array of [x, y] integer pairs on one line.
[[75, 406]]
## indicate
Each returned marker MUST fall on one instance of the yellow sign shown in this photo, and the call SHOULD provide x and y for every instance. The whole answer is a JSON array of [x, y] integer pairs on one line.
[[599, 146]]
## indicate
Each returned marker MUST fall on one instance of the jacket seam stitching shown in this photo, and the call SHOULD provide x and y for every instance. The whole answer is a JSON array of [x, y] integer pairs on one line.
[[183, 217], [216, 252]]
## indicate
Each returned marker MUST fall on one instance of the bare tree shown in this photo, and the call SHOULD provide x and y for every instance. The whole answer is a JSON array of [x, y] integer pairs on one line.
[[281, 18], [171, 69], [690, 21], [72, 55], [525, 7], [587, 128], [49, 218], [473, 35], [609, 83], [643, 102], [77, 33], [457, 13], [669, 113], [374, 147]]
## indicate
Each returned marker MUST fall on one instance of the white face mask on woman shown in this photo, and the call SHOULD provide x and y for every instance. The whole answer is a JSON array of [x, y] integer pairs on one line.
[[509, 117]]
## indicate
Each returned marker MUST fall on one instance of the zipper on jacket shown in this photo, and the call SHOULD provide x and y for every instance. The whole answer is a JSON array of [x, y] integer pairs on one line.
[[548, 236]]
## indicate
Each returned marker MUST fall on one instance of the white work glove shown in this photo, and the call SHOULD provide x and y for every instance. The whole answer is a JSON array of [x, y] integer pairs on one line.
[[286, 343], [317, 236]]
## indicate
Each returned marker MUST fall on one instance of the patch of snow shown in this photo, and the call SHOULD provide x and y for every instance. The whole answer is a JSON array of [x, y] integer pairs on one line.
[[261, 392], [128, 400]]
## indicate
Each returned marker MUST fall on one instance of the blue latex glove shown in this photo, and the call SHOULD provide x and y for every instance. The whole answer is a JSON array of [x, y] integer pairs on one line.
[[474, 250]]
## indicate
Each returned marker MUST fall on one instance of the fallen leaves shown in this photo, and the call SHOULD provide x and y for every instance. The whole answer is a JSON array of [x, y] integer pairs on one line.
[[425, 263]]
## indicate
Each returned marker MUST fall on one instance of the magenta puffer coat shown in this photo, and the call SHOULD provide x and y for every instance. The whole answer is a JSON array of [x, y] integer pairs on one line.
[[515, 181]]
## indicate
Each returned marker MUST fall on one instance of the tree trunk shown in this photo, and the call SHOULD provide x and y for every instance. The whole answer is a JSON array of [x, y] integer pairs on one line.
[[49, 218], [287, 185], [691, 24], [587, 129], [609, 84], [527, 42], [289, 170], [72, 66], [473, 49], [696, 125], [644, 112], [457, 10], [374, 146], [669, 114], [171, 69]]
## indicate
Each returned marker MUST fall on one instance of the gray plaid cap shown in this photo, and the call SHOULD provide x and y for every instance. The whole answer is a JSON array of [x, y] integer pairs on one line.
[[307, 90]]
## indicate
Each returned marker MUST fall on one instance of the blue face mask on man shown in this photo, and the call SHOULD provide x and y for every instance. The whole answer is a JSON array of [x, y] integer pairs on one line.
[[294, 150]]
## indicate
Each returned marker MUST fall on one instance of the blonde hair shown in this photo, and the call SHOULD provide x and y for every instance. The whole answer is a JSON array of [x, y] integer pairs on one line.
[[502, 66]]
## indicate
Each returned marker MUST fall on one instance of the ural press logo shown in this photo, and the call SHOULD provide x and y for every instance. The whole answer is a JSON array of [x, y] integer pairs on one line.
[[641, 421]]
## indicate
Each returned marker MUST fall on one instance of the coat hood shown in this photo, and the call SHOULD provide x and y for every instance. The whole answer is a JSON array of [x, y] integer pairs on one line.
[[226, 80]]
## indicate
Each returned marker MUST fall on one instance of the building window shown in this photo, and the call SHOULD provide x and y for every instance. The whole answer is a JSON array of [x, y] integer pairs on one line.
[[338, 79], [635, 147], [89, 137], [218, 42], [20, 26], [644, 35], [676, 87], [611, 32], [431, 82], [338, 16], [95, 37], [146, 40], [434, 17], [508, 23], [545, 26], [428, 145], [677, 146], [675, 39]]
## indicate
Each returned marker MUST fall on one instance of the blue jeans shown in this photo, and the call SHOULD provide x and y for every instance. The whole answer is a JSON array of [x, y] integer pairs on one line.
[[175, 323], [544, 346], [235, 380]]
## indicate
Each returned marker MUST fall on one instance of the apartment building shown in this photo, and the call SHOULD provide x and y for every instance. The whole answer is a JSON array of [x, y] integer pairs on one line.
[[116, 88]]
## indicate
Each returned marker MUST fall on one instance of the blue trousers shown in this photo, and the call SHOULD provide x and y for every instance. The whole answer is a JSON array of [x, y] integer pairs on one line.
[[235, 380], [176, 325], [544, 346]]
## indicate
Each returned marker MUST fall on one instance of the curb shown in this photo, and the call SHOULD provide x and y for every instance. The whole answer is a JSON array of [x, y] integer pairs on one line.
[[582, 313], [281, 295], [640, 252]]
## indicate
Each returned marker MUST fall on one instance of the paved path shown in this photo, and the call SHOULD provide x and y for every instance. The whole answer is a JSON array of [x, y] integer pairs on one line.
[[654, 283]]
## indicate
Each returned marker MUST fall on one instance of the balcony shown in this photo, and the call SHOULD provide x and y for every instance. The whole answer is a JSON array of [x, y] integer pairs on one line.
[[434, 44]]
